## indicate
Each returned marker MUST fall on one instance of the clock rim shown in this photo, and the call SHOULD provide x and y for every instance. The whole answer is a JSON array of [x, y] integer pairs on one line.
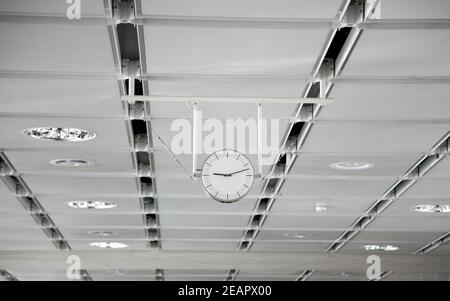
[[220, 200]]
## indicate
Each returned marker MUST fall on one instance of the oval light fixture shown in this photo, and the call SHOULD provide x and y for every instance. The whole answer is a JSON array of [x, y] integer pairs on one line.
[[59, 134], [92, 205], [71, 162], [294, 235], [101, 233], [428, 208], [386, 248], [108, 245], [351, 165]]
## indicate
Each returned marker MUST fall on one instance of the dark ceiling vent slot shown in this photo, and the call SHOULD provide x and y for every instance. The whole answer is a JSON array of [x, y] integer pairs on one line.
[[43, 220], [263, 205], [257, 220], [7, 276], [149, 205], [53, 234], [153, 234], [249, 234], [128, 41], [152, 220], [338, 42], [139, 127], [244, 245]]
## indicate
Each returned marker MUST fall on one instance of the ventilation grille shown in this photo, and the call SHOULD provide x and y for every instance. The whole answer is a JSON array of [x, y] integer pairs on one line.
[[416, 172], [305, 275], [24, 195]]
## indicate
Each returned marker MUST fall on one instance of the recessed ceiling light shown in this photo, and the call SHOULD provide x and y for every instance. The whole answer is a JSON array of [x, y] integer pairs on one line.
[[387, 248], [321, 208], [108, 245], [92, 205], [101, 233], [295, 235], [116, 272], [59, 134], [351, 165], [71, 162], [431, 208]]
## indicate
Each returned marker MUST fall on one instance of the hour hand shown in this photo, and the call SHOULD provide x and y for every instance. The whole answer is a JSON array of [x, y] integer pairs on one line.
[[221, 174]]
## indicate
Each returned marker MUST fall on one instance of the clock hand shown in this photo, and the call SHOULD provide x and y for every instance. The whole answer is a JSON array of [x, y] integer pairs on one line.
[[221, 174], [238, 171]]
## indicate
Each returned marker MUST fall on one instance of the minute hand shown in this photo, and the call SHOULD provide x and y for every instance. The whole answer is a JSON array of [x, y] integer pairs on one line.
[[238, 171]]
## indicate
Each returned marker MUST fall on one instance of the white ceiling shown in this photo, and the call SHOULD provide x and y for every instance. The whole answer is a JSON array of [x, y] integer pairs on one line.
[[63, 74]]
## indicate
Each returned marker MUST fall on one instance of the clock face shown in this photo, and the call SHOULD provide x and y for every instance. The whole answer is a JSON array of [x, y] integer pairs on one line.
[[227, 176]]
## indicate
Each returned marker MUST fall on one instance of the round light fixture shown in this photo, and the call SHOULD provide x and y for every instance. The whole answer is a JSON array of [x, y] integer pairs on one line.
[[108, 245], [101, 233], [116, 272], [294, 235], [71, 162], [92, 205], [387, 248], [431, 208], [59, 134], [320, 208], [351, 165]]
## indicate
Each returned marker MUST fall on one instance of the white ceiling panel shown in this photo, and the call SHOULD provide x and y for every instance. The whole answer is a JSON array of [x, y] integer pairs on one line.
[[428, 189], [441, 170], [288, 246], [12, 233], [119, 234], [311, 236], [58, 204], [307, 222], [60, 48], [105, 162], [98, 220], [404, 248], [203, 204], [387, 101], [50, 7], [185, 187], [393, 237], [316, 165], [198, 234], [17, 219], [111, 133], [27, 245], [81, 245], [374, 136], [204, 221], [199, 246], [86, 186], [4, 191], [400, 53], [232, 51], [227, 87], [341, 206], [435, 224], [60, 96], [326, 9], [335, 188], [415, 9]]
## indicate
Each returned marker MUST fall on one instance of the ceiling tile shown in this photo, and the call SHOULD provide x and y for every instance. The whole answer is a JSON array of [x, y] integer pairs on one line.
[[247, 9], [175, 50], [60, 48], [60, 96], [387, 102], [374, 136], [50, 7], [400, 53]]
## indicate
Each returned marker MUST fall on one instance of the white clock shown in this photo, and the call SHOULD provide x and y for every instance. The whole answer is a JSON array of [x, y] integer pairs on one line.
[[227, 176]]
